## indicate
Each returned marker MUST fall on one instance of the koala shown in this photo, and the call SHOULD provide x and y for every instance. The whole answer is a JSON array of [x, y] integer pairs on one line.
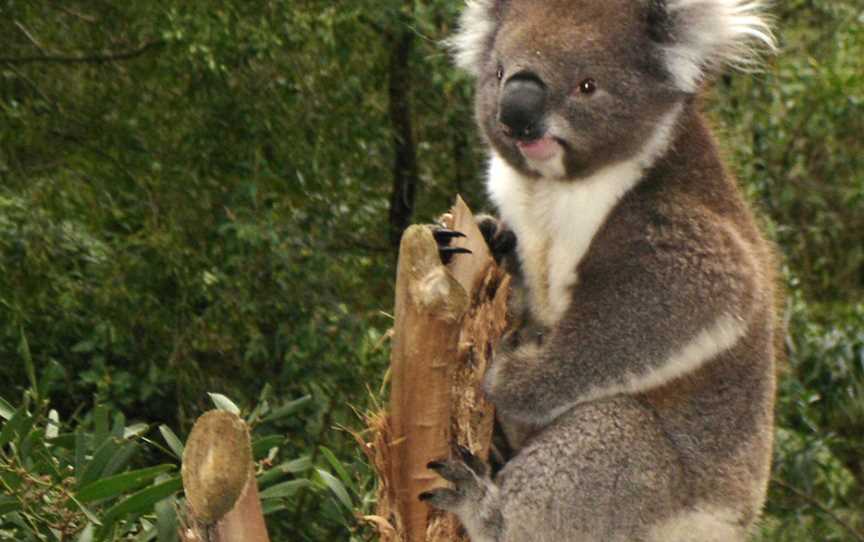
[[640, 404]]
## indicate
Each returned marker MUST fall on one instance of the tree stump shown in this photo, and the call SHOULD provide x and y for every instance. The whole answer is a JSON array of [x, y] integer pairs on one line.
[[219, 480], [447, 321]]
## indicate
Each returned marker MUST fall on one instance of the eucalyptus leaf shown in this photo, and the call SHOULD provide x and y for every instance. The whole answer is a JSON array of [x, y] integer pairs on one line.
[[143, 500], [224, 403], [117, 485], [288, 409], [6, 410], [285, 489], [336, 486], [173, 441], [337, 465], [97, 463]]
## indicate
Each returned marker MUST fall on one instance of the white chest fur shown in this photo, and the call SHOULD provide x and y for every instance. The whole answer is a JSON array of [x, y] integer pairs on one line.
[[555, 220]]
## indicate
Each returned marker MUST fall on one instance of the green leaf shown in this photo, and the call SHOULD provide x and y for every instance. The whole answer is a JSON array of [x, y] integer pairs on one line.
[[24, 350], [261, 446], [337, 465], [285, 489], [100, 424], [272, 506], [14, 425], [224, 403], [63, 440], [121, 483], [93, 469], [119, 427], [288, 409], [80, 450], [174, 443], [121, 459], [290, 467], [8, 504], [298, 465], [6, 410], [336, 487], [166, 521], [87, 534], [31, 444], [142, 501], [87, 513], [135, 430]]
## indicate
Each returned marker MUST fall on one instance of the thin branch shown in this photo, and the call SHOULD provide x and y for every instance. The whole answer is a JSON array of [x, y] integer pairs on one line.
[[36, 89], [82, 16], [821, 507], [30, 36], [95, 58]]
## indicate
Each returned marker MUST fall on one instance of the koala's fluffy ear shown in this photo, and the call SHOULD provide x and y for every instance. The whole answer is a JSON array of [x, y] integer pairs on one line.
[[700, 37], [472, 41]]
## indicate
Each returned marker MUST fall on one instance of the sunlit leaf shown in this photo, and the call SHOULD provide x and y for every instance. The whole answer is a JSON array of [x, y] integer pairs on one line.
[[224, 403], [336, 487], [173, 441]]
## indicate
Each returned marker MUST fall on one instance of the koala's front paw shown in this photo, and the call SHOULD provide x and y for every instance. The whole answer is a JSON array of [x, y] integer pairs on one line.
[[501, 241], [508, 383], [443, 236], [469, 476]]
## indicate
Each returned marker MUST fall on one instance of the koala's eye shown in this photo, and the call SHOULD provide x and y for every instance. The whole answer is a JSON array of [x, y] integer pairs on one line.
[[588, 87], [500, 73]]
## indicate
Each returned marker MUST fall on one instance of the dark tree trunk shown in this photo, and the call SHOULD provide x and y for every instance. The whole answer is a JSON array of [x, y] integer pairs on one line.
[[405, 175]]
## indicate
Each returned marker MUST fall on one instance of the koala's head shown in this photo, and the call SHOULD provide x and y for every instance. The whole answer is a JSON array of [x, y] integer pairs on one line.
[[565, 87]]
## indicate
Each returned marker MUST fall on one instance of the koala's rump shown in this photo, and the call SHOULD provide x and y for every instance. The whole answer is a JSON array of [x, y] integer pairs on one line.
[[607, 471]]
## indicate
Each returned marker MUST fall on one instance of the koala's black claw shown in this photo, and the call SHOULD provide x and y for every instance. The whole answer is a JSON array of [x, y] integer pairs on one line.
[[454, 250], [471, 461], [464, 453], [447, 253], [443, 499], [444, 236], [435, 465]]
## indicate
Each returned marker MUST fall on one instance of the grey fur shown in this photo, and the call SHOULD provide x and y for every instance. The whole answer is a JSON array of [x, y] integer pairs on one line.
[[639, 394]]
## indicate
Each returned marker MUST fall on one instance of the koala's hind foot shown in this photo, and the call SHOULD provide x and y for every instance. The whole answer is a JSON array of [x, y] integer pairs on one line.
[[474, 498]]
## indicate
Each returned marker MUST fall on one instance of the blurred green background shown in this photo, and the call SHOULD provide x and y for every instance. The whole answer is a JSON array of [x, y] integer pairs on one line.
[[203, 197]]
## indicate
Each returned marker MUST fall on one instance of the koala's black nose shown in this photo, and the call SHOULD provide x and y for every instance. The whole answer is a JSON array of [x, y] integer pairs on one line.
[[522, 106]]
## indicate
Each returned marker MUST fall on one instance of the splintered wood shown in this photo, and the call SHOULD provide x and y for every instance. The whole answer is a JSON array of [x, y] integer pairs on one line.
[[447, 321]]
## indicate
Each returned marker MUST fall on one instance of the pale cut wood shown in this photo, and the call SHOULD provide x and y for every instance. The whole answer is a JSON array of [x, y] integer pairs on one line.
[[447, 322], [219, 481], [468, 270], [430, 304], [472, 416]]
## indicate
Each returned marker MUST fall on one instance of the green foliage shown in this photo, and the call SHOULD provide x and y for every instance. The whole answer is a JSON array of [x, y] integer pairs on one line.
[[194, 197], [819, 468], [796, 135], [84, 479], [62, 482]]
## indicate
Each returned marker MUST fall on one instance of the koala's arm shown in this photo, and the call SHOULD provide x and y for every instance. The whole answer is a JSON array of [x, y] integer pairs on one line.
[[660, 306]]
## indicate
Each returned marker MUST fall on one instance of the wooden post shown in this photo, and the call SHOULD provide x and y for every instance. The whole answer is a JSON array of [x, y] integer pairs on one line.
[[219, 480], [447, 321]]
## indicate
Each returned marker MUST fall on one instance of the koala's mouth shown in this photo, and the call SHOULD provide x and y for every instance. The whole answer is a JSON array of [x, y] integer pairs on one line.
[[540, 150]]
